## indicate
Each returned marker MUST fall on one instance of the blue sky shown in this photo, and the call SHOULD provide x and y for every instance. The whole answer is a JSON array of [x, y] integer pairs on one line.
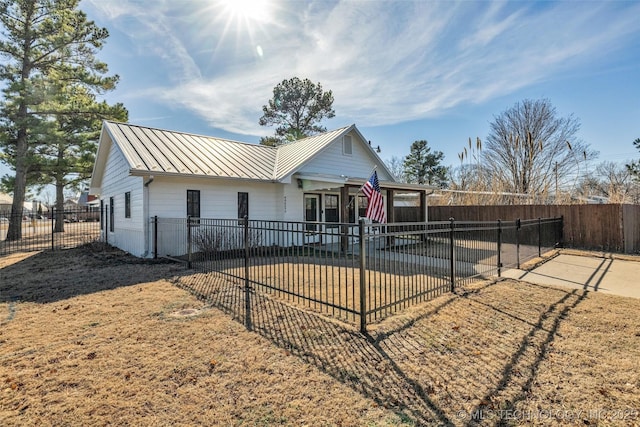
[[400, 70]]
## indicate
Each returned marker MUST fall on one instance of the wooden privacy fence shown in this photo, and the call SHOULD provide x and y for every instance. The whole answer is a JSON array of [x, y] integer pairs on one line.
[[610, 227], [356, 272]]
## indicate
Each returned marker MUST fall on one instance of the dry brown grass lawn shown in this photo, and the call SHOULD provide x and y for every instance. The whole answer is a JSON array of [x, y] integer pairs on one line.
[[100, 338]]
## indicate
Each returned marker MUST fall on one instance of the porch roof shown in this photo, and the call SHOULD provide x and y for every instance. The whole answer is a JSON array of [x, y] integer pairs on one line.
[[334, 181]]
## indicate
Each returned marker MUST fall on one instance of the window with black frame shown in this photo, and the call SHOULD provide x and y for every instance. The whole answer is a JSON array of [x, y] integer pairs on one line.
[[243, 205], [193, 203], [363, 204], [127, 204], [352, 209], [111, 215], [331, 208]]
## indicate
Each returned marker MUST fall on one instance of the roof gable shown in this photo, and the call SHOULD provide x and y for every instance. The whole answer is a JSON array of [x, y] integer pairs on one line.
[[320, 152], [100, 164], [294, 155]]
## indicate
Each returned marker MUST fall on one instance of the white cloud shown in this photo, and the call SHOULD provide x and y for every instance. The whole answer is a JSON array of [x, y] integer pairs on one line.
[[150, 29], [386, 62]]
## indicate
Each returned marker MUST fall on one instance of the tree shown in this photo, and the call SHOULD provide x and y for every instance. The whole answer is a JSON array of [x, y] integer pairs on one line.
[[297, 109], [422, 166], [42, 41], [611, 180], [67, 157], [529, 147], [634, 166], [396, 166]]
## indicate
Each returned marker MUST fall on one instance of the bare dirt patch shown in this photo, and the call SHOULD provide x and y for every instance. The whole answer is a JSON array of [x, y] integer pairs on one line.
[[92, 338]]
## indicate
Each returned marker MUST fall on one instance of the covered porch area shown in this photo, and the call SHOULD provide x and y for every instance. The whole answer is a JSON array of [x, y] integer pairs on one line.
[[339, 199]]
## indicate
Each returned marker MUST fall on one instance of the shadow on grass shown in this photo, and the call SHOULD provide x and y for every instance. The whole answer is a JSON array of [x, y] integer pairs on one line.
[[335, 348], [442, 364], [543, 332], [52, 276]]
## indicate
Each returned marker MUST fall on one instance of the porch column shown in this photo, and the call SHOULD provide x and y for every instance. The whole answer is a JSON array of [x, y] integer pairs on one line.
[[344, 217], [390, 211], [423, 211], [423, 206], [391, 218]]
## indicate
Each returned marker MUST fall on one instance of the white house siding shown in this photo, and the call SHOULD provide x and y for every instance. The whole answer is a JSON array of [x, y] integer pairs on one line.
[[218, 200], [333, 162], [291, 212], [292, 202], [128, 233]]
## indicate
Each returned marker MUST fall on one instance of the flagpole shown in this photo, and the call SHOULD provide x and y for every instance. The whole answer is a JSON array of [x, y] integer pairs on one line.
[[360, 189]]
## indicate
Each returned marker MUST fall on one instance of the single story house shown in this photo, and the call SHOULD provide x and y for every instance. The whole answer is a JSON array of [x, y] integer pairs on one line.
[[142, 172], [5, 204], [6, 201]]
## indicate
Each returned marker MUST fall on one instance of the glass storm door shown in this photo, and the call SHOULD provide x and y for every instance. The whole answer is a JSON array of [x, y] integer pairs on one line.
[[311, 210]]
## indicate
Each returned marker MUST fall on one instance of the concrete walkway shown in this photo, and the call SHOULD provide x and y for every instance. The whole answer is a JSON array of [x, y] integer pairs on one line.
[[611, 276]]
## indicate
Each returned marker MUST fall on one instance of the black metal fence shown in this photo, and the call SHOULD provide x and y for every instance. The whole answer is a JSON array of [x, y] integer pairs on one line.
[[356, 272], [49, 230]]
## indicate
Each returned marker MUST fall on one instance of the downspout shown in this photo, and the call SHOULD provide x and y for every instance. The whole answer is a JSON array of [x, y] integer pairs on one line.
[[146, 217]]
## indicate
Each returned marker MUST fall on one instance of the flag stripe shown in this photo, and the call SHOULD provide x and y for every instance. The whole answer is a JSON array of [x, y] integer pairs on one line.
[[375, 210]]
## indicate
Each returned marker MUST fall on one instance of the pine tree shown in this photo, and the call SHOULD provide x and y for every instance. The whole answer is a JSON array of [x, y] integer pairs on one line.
[[297, 108], [44, 42], [422, 166], [634, 166]]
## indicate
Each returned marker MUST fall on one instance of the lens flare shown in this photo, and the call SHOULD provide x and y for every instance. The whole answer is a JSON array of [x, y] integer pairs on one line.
[[247, 10]]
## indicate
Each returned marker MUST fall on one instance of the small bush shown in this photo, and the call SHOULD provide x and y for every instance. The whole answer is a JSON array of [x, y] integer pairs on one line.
[[210, 241]]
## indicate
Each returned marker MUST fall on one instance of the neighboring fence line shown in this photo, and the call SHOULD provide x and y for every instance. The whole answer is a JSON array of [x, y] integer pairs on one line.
[[357, 272], [607, 227], [39, 232]]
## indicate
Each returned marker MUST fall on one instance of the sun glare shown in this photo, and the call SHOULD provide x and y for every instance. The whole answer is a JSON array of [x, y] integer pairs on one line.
[[246, 21], [247, 10]]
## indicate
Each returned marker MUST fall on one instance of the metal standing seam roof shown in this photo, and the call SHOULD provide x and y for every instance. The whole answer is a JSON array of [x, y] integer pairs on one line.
[[150, 150], [169, 152]]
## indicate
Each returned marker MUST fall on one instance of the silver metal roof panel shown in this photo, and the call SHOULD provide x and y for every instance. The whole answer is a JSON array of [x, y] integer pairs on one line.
[[168, 152]]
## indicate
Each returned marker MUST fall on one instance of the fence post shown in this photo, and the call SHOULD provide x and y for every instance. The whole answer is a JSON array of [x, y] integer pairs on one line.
[[52, 228], [189, 241], [155, 237], [539, 237], [247, 283], [561, 234], [499, 248], [452, 254], [518, 242], [363, 281]]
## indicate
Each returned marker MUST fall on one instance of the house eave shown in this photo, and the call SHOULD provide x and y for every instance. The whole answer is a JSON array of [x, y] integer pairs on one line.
[[146, 173]]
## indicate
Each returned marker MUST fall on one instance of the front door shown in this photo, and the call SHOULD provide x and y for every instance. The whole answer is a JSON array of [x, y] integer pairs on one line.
[[312, 210]]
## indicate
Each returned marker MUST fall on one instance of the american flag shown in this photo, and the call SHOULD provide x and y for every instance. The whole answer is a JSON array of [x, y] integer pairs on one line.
[[375, 210]]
